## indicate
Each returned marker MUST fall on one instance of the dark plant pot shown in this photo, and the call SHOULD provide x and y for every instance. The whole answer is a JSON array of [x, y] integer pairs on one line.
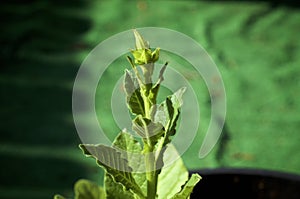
[[246, 183]]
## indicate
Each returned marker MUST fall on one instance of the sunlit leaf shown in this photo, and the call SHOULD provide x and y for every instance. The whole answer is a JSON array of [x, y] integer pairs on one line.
[[133, 96], [132, 152], [167, 113], [116, 166], [154, 90], [85, 189], [116, 190], [173, 175], [188, 187], [58, 197]]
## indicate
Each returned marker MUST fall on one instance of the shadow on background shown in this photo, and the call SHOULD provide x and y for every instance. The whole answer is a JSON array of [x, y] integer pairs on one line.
[[41, 42]]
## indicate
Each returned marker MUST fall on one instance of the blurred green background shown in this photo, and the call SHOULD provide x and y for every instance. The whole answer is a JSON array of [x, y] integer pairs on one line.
[[255, 44]]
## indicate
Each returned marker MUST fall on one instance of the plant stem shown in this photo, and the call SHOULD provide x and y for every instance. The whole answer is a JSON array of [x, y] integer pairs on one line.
[[147, 105], [151, 175], [151, 172], [150, 162]]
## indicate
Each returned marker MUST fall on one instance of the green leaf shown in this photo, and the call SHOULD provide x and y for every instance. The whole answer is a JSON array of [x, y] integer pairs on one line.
[[147, 129], [155, 55], [173, 115], [176, 98], [116, 190], [173, 104], [167, 113], [85, 189], [126, 142], [154, 90], [116, 166], [173, 176], [188, 187], [59, 197], [140, 42], [133, 95], [158, 114]]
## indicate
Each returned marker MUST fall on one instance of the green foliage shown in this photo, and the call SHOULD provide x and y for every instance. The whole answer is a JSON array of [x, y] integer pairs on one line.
[[59, 197], [167, 185], [126, 142], [188, 187], [134, 97], [85, 189], [135, 168], [121, 174]]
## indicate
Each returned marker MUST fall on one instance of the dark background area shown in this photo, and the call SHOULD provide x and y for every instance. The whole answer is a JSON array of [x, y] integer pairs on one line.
[[256, 45]]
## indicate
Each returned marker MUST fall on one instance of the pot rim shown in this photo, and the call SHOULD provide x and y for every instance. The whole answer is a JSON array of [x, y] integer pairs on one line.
[[248, 171]]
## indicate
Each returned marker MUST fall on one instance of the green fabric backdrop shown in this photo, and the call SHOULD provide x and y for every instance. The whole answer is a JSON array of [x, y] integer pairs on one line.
[[256, 46]]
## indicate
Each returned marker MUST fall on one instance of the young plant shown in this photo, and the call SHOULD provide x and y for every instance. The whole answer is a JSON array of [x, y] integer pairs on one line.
[[135, 165]]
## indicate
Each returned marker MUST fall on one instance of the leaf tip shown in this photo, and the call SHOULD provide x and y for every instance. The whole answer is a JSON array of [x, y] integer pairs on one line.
[[196, 177], [84, 148], [57, 196]]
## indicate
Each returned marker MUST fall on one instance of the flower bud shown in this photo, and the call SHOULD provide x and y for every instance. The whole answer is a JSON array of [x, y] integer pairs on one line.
[[143, 54]]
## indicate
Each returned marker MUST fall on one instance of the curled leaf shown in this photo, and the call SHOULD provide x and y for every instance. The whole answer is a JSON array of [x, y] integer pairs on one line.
[[85, 189], [147, 129]]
